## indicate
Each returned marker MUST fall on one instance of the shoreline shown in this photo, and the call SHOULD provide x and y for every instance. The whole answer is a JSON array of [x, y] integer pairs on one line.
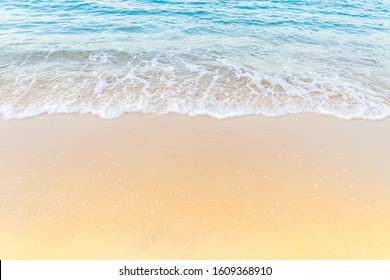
[[110, 117], [147, 186]]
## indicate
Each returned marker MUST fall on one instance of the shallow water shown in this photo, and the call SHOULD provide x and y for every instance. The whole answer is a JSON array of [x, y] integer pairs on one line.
[[219, 58]]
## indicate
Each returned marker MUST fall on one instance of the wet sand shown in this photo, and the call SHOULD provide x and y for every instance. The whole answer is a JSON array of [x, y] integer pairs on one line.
[[179, 187]]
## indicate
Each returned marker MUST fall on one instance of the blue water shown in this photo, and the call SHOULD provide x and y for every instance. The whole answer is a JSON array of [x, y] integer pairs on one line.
[[218, 58]]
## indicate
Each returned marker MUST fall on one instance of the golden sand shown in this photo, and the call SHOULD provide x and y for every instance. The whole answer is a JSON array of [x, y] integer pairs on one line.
[[178, 187]]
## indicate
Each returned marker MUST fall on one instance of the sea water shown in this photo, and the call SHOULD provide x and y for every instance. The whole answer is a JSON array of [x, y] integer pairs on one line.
[[222, 58]]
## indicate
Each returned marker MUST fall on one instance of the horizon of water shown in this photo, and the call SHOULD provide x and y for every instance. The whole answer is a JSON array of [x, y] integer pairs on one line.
[[219, 58]]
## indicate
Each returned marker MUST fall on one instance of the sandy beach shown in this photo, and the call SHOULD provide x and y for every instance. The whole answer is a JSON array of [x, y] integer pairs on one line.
[[178, 187]]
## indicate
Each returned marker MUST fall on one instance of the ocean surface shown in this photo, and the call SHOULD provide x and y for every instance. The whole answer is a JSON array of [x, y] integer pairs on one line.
[[223, 58]]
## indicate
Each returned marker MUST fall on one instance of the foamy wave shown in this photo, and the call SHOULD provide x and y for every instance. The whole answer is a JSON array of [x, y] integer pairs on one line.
[[110, 85]]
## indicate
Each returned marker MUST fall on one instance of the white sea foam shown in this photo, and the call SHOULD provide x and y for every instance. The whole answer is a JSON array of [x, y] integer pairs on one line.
[[112, 84]]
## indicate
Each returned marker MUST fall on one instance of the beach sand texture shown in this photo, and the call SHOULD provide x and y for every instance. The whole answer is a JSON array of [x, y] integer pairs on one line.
[[178, 187]]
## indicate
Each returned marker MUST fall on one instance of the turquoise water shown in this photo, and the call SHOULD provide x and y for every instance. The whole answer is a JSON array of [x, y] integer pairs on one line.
[[220, 58]]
